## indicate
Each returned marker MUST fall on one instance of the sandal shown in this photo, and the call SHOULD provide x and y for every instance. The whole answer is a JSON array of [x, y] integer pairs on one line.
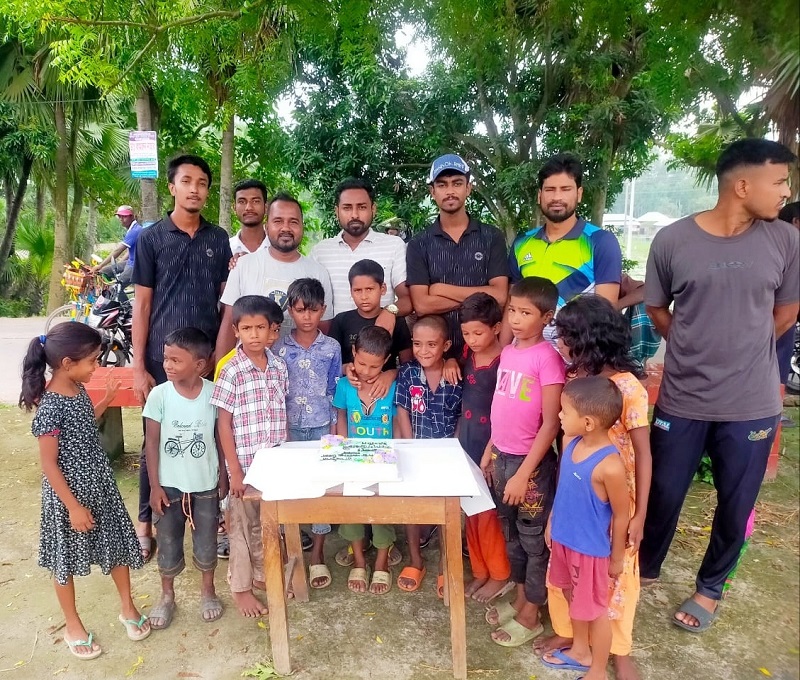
[[88, 656], [412, 574], [319, 571], [566, 662], [395, 556], [344, 558], [425, 541], [505, 612], [162, 610], [383, 578], [223, 546], [147, 545], [134, 628], [440, 586], [705, 618], [357, 574], [519, 634], [210, 604]]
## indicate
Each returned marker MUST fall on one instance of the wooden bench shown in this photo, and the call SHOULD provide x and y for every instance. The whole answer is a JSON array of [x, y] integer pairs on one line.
[[112, 437], [652, 384]]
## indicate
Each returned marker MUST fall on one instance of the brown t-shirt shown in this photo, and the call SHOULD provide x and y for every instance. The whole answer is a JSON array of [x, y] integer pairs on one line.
[[720, 363]]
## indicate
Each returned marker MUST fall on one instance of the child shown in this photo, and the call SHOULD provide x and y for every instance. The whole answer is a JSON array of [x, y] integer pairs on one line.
[[184, 466], [428, 407], [519, 460], [365, 417], [480, 316], [84, 520], [594, 338], [592, 496], [314, 362], [366, 287], [250, 395]]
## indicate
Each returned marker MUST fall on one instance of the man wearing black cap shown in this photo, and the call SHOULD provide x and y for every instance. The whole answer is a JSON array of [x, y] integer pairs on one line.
[[457, 255]]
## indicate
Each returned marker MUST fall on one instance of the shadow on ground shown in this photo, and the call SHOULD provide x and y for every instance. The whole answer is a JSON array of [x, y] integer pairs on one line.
[[394, 637]]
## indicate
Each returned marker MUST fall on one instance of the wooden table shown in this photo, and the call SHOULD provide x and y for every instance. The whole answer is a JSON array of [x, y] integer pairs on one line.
[[337, 509], [111, 435]]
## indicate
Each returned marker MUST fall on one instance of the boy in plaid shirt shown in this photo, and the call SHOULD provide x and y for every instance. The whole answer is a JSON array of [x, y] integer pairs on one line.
[[428, 407], [250, 395]]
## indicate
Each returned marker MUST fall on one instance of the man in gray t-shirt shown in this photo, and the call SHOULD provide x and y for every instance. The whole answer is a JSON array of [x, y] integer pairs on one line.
[[732, 276]]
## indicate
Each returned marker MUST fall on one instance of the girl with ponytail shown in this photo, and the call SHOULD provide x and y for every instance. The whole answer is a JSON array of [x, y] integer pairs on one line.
[[84, 520]]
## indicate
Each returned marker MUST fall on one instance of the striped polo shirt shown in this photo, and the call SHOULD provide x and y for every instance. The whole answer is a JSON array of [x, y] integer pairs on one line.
[[185, 274], [337, 257], [434, 257]]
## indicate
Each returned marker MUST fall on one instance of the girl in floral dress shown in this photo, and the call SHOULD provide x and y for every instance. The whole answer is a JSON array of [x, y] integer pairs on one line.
[[84, 520], [594, 338]]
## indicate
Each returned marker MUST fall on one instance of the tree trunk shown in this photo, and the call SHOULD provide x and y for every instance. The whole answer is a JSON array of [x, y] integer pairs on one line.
[[91, 226], [75, 215], [8, 189], [41, 195], [149, 191], [226, 175], [601, 192], [13, 209], [61, 250]]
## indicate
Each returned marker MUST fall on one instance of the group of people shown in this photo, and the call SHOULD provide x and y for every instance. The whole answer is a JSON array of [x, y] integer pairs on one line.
[[523, 355]]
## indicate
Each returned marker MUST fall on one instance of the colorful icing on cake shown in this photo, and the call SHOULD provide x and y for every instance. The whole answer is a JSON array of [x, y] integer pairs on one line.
[[358, 459]]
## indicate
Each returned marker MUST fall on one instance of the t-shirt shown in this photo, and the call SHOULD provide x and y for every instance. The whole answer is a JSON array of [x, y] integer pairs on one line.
[[720, 363], [187, 457], [259, 273], [186, 274], [434, 257], [434, 415], [239, 248], [376, 425], [131, 236], [346, 326], [474, 428], [584, 257], [517, 402], [337, 257]]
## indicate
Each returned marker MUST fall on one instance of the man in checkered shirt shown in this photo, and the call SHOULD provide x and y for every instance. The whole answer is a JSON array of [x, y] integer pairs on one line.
[[250, 395]]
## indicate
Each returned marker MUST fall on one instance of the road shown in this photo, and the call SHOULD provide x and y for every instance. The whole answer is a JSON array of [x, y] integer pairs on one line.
[[15, 334]]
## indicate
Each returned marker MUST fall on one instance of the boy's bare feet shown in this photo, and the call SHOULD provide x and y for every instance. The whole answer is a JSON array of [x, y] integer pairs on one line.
[[471, 588], [625, 668], [645, 582], [543, 645], [249, 605], [259, 585], [488, 590]]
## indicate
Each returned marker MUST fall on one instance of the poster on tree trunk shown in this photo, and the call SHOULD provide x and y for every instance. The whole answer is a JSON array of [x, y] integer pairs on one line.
[[144, 154]]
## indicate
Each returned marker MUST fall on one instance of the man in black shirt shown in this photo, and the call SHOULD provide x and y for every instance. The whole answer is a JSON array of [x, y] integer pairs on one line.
[[457, 255], [179, 273]]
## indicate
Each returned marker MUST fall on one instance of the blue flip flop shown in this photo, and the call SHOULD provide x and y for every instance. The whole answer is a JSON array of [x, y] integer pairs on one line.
[[567, 662]]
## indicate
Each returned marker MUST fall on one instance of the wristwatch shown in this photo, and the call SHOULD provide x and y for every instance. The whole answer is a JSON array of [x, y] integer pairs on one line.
[[392, 309]]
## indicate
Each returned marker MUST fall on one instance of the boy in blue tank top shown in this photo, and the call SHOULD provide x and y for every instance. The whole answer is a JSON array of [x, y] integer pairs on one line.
[[588, 527]]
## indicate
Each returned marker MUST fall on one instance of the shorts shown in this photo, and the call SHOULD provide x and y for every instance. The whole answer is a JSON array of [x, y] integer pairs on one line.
[[584, 580]]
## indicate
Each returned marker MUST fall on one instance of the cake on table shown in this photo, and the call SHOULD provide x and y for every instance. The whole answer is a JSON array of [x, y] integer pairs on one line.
[[358, 460]]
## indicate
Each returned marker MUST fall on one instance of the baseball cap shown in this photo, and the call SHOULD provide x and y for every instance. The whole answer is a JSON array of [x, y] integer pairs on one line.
[[124, 210], [449, 161]]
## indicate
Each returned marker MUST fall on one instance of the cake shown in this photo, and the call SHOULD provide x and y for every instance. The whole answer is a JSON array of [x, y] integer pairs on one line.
[[357, 460]]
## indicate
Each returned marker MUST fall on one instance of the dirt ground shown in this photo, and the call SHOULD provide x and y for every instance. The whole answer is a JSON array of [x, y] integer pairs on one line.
[[398, 636]]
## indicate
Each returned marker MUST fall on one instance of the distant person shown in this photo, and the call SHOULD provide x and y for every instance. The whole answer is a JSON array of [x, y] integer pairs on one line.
[[721, 285], [784, 346], [83, 520], [132, 229], [250, 204], [457, 255], [180, 271], [577, 256]]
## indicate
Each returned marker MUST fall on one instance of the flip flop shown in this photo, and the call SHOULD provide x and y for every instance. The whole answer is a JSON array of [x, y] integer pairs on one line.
[[134, 628], [208, 604], [426, 541], [567, 662], [71, 645], [357, 574], [319, 571], [412, 574], [223, 546], [383, 578], [704, 617], [519, 634], [440, 586], [147, 545], [162, 610], [395, 556], [505, 612]]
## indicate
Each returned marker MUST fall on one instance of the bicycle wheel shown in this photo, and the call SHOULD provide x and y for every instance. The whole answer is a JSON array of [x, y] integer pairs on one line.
[[172, 448], [63, 313], [197, 449]]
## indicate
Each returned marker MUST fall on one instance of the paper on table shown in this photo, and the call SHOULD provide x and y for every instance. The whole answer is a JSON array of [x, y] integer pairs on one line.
[[431, 468], [273, 473], [472, 505]]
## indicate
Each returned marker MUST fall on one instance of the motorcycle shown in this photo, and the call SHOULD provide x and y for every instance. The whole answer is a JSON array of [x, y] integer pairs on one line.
[[793, 383], [112, 315]]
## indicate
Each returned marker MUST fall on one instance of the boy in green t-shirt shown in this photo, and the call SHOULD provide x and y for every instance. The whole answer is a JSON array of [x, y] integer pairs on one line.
[[184, 464]]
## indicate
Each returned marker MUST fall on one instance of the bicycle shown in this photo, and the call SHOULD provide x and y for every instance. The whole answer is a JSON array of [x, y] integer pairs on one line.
[[176, 445]]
